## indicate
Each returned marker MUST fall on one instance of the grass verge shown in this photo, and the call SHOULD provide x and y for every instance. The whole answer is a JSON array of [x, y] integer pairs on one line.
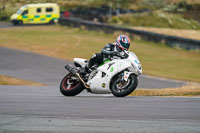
[[6, 80], [67, 43], [155, 19], [192, 34], [188, 90]]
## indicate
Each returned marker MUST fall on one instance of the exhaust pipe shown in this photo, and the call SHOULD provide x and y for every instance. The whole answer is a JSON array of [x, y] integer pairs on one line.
[[86, 86], [74, 71], [71, 69]]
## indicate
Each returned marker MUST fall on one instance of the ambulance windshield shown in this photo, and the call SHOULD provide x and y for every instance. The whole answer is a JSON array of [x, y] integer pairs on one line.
[[19, 11]]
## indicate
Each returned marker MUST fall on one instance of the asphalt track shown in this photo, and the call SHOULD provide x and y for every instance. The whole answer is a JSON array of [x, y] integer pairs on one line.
[[44, 109], [5, 24]]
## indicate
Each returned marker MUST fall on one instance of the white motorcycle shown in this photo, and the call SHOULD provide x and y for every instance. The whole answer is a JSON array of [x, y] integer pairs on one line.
[[116, 76]]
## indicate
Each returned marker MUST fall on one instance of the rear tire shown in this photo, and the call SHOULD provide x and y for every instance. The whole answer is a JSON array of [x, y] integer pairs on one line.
[[128, 88], [70, 87]]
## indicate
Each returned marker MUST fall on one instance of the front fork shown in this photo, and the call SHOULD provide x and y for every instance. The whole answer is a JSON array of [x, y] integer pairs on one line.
[[126, 75]]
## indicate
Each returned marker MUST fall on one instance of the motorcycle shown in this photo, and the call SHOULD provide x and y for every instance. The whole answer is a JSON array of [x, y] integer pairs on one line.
[[114, 75]]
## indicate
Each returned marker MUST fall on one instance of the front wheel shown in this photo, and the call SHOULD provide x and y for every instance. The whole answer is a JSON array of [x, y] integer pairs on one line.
[[123, 88], [71, 86]]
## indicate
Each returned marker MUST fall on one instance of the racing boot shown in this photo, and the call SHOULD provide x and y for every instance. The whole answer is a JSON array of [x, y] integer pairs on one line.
[[86, 70]]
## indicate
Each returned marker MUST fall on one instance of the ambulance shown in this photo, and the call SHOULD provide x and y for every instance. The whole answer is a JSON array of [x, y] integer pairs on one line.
[[36, 14]]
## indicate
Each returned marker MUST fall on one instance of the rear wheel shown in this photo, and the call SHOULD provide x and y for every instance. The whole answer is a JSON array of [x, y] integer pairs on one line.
[[121, 88], [71, 86]]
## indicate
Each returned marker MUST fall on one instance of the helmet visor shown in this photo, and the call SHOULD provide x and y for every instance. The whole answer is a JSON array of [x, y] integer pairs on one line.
[[125, 45]]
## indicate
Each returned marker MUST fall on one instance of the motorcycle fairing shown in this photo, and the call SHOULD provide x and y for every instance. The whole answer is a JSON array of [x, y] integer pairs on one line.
[[101, 84]]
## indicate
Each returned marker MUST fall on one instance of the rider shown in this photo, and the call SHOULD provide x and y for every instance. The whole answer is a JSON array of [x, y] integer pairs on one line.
[[110, 50]]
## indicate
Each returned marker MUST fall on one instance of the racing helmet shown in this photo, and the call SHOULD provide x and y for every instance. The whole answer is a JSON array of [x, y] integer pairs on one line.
[[123, 42]]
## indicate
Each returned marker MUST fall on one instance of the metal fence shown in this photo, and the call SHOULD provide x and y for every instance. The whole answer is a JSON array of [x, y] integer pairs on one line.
[[172, 41]]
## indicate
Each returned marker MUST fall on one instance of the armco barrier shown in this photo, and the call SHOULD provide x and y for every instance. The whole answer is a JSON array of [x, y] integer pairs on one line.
[[172, 41]]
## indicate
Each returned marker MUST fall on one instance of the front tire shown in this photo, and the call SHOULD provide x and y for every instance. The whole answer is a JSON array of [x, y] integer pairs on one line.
[[122, 88], [70, 87]]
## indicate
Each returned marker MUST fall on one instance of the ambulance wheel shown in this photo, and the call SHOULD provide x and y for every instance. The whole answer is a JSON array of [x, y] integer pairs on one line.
[[20, 22]]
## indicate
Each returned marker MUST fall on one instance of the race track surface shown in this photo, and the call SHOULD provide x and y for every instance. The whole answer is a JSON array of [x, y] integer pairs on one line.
[[44, 109], [5, 24]]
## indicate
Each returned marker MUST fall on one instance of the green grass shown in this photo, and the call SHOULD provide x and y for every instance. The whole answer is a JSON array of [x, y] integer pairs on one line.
[[67, 43], [188, 90], [155, 19]]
